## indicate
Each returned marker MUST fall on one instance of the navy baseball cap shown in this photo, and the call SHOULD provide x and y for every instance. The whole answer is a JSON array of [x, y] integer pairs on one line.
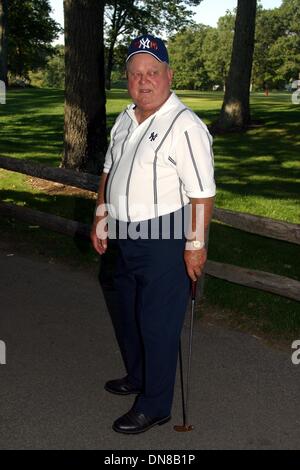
[[148, 44]]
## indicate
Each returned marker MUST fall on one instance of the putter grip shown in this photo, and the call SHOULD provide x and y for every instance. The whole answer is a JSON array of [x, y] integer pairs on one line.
[[194, 289]]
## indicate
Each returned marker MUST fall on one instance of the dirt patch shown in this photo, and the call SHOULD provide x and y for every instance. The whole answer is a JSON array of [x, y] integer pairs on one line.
[[50, 187]]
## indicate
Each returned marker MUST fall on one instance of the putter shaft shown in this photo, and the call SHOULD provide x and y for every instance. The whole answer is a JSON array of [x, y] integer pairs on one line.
[[185, 427]]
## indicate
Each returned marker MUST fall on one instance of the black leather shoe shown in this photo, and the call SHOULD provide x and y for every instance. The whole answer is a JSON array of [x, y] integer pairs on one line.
[[121, 387], [134, 422]]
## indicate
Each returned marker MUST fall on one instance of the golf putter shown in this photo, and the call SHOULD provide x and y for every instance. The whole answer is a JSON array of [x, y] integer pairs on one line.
[[185, 427]]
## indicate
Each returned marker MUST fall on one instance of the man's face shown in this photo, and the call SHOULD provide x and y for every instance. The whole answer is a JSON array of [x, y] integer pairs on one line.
[[149, 82]]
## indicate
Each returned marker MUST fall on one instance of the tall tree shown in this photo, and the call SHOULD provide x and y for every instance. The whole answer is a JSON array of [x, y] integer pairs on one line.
[[85, 138], [186, 55], [31, 31], [235, 111], [3, 41], [285, 52], [132, 17], [217, 49], [54, 73], [269, 27]]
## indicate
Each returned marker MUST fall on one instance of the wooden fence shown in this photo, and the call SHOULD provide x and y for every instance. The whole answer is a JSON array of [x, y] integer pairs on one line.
[[278, 230]]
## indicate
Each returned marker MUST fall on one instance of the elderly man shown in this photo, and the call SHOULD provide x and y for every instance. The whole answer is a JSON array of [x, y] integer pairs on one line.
[[159, 162]]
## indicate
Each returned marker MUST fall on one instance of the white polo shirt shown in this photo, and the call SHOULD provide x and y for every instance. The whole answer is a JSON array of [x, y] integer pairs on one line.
[[156, 166]]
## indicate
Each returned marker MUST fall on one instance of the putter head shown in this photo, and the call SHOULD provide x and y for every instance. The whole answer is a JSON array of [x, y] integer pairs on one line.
[[183, 427]]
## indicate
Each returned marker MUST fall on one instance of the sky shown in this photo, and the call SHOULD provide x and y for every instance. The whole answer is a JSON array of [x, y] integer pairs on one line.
[[208, 12]]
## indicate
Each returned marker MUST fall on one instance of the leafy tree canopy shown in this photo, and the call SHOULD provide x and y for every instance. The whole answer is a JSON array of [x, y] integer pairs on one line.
[[157, 16], [127, 18], [190, 72], [31, 31], [201, 51]]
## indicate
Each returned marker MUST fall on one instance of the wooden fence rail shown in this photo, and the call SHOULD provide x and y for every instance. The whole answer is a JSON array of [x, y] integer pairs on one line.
[[45, 220], [250, 223], [261, 280], [59, 175], [259, 225]]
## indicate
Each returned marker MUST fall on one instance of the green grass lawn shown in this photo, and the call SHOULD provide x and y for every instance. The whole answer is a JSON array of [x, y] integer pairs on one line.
[[256, 172]]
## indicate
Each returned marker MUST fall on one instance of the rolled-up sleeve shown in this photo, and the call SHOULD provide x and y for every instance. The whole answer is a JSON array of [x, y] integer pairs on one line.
[[108, 158], [109, 154], [195, 162]]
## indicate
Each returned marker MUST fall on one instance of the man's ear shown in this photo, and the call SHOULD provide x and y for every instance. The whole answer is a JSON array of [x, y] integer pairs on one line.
[[170, 75]]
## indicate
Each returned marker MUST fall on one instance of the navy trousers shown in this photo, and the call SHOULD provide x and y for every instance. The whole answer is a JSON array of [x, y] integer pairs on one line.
[[153, 290]]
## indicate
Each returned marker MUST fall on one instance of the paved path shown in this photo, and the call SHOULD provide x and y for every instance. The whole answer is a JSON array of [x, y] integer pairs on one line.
[[61, 349]]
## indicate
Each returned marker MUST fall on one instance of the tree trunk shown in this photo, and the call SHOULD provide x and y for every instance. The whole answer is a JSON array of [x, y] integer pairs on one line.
[[3, 41], [109, 65], [110, 56], [85, 138], [235, 111]]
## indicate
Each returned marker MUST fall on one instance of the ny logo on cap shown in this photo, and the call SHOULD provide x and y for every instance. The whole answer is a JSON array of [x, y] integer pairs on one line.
[[144, 43]]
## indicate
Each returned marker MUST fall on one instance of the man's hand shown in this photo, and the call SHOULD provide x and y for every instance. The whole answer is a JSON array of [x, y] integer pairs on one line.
[[195, 261], [99, 235], [99, 229]]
